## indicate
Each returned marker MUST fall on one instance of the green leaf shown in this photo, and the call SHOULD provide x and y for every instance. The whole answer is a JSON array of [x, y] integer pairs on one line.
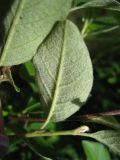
[[108, 137], [101, 3], [64, 72], [108, 4], [95, 151], [105, 120], [26, 26]]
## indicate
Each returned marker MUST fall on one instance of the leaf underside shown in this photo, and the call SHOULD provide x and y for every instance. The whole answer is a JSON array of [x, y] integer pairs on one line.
[[64, 72], [109, 138], [26, 25]]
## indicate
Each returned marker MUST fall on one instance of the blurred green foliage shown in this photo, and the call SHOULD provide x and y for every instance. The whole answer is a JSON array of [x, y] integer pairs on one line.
[[102, 36]]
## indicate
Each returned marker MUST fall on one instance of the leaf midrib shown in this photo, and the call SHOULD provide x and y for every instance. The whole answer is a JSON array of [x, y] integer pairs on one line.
[[58, 79], [11, 31]]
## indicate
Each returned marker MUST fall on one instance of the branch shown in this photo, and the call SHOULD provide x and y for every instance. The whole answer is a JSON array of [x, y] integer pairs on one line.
[[76, 118], [75, 132]]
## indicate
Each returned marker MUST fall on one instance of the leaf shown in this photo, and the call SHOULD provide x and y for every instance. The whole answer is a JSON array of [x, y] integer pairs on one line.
[[108, 137], [105, 120], [26, 26], [101, 3], [108, 4], [64, 72], [95, 151]]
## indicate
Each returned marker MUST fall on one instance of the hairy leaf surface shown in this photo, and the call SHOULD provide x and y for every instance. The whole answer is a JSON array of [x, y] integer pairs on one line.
[[64, 72], [108, 137], [26, 25]]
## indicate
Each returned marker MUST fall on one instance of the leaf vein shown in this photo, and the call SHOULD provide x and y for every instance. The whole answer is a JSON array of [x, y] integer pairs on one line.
[[49, 72], [58, 78]]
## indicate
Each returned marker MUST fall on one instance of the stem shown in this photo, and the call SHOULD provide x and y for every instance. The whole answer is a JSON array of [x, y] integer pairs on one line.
[[110, 113], [35, 150], [85, 26], [30, 108], [75, 132], [104, 31], [75, 9], [48, 134], [25, 119], [77, 118]]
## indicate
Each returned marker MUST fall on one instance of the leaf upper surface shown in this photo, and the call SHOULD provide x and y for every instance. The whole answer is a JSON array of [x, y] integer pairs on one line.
[[26, 25], [95, 151], [64, 72]]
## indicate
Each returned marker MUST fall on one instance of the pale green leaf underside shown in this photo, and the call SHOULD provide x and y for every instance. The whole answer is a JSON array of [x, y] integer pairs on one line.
[[26, 25], [109, 138], [64, 71]]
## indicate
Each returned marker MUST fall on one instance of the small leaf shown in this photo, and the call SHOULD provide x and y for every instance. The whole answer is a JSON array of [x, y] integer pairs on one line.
[[95, 151], [64, 72], [108, 137], [26, 25]]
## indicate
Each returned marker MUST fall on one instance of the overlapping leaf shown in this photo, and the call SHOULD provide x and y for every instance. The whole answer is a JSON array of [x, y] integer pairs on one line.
[[64, 72], [26, 25]]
